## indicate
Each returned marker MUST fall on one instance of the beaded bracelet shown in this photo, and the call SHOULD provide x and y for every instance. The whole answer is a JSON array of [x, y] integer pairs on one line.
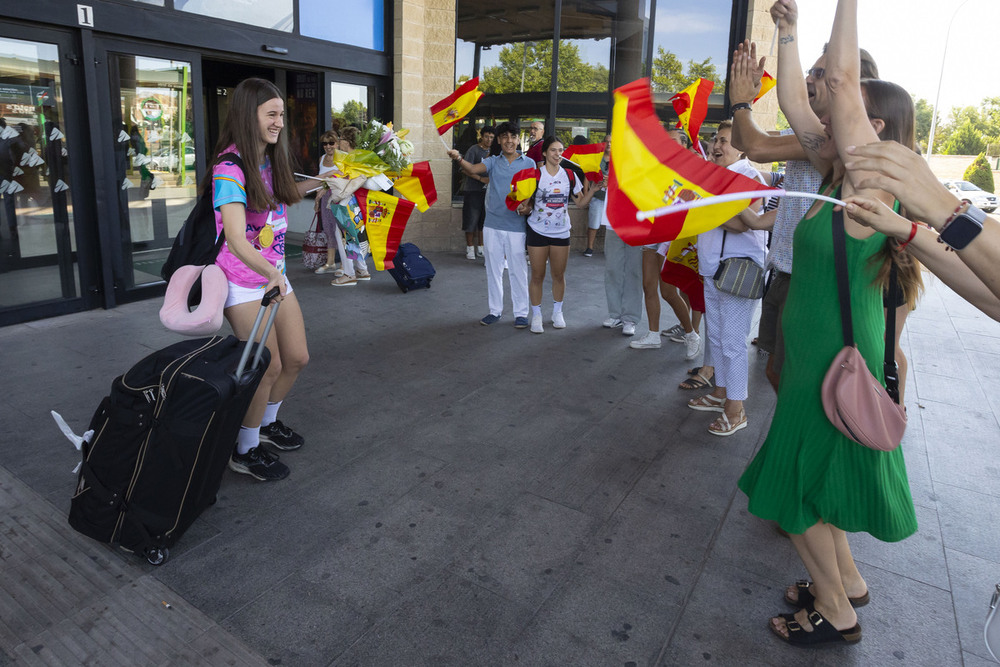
[[962, 206]]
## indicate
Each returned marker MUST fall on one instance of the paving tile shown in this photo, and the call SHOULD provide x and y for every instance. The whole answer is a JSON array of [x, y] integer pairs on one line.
[[920, 556], [973, 581], [961, 445], [525, 551], [956, 506]]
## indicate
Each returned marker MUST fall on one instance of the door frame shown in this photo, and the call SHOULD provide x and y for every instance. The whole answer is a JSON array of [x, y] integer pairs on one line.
[[113, 265], [74, 124]]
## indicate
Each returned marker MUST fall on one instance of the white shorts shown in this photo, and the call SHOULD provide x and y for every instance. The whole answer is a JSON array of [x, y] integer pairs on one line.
[[239, 294]]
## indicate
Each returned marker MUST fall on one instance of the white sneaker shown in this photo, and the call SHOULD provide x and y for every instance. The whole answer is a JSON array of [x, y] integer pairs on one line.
[[479, 252], [470, 252], [558, 321], [628, 328], [611, 323], [692, 345], [536, 324], [648, 342]]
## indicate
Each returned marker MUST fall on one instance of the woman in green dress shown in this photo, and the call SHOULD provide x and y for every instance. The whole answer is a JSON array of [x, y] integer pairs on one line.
[[807, 476]]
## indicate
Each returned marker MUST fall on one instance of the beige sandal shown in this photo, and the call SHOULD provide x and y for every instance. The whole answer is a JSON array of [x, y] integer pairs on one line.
[[722, 426], [707, 403]]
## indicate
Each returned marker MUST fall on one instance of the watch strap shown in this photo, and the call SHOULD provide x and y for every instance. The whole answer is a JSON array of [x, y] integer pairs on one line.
[[740, 105], [960, 230]]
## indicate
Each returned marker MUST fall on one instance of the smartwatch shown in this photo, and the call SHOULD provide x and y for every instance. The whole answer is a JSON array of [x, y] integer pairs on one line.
[[963, 228]]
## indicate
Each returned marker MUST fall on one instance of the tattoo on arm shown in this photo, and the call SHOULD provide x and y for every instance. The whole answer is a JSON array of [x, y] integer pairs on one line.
[[812, 142], [787, 39]]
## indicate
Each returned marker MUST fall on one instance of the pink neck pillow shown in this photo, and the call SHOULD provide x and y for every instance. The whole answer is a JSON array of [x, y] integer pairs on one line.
[[206, 318]]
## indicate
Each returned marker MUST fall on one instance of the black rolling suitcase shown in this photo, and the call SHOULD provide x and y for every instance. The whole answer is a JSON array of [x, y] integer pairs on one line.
[[411, 269], [162, 440]]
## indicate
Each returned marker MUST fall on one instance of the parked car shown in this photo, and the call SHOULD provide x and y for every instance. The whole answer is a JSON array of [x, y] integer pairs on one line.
[[165, 159], [973, 194]]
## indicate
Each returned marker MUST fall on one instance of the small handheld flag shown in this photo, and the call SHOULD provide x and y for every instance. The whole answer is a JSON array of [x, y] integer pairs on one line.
[[691, 105], [522, 186], [385, 219], [456, 106], [588, 157], [650, 170], [766, 83]]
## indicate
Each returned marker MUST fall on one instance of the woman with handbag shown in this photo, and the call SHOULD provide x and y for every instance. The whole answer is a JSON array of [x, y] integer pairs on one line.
[[808, 476], [328, 142], [729, 307]]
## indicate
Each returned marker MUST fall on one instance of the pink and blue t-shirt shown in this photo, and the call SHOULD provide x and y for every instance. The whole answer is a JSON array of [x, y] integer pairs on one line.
[[265, 230]]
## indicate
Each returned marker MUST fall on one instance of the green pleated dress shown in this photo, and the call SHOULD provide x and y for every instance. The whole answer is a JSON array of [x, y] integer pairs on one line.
[[806, 470]]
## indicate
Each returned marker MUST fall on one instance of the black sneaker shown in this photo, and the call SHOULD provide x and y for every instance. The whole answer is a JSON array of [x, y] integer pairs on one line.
[[589, 252], [259, 463], [278, 435]]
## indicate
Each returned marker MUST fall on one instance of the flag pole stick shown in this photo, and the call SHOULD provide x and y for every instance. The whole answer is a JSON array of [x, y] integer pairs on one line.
[[440, 136], [774, 40], [732, 196]]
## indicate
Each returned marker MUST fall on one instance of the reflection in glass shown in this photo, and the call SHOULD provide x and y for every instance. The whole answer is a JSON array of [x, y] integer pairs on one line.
[[691, 40], [348, 103], [36, 232], [274, 14], [156, 174], [517, 68], [358, 23]]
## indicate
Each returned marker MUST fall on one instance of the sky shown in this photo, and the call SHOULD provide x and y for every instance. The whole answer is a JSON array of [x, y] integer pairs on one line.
[[906, 38]]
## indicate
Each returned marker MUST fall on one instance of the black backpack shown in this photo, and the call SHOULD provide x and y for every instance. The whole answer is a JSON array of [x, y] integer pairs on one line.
[[196, 243]]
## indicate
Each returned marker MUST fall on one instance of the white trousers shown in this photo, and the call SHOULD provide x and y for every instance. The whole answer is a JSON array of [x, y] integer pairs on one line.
[[498, 245], [728, 321]]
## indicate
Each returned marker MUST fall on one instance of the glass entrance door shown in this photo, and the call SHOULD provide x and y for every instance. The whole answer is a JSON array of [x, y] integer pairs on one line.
[[156, 173], [38, 260]]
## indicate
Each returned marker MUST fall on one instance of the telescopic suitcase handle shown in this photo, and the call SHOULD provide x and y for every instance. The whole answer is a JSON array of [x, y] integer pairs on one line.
[[264, 303]]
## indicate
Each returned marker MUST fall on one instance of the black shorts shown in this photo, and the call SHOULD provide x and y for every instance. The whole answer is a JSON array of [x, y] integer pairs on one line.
[[535, 240], [473, 211]]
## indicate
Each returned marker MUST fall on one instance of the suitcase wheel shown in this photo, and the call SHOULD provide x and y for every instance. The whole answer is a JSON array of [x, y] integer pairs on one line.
[[157, 556]]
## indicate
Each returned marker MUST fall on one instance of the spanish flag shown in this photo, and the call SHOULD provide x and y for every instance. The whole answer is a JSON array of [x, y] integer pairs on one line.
[[691, 105], [766, 83], [385, 219], [416, 183], [522, 186], [649, 170], [456, 106], [588, 157]]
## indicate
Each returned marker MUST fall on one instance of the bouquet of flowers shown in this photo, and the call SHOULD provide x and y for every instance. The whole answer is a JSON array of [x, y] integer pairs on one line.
[[389, 145]]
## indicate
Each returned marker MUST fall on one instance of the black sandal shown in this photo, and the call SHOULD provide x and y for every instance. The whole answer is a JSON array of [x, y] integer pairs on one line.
[[822, 634], [696, 381], [806, 598]]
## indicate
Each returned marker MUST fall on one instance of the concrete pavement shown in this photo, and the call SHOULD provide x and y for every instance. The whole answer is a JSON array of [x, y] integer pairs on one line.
[[476, 495]]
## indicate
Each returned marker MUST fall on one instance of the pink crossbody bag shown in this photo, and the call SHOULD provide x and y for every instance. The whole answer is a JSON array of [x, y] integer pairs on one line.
[[854, 401]]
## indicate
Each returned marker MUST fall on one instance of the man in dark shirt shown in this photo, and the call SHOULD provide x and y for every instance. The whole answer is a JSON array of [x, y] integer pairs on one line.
[[474, 195]]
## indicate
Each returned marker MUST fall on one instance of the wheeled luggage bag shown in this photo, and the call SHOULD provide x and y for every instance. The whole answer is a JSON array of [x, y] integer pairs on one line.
[[411, 269], [162, 440]]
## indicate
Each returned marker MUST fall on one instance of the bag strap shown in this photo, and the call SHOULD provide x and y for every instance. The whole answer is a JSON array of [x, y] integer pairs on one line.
[[889, 368], [209, 192], [722, 250], [840, 266]]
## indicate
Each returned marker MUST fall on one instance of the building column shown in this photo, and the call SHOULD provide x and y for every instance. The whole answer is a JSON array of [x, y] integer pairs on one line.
[[424, 73]]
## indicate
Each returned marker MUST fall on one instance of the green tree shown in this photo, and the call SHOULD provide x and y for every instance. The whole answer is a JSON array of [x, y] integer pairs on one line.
[[967, 139], [352, 112], [528, 67], [925, 113], [979, 174], [668, 74]]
